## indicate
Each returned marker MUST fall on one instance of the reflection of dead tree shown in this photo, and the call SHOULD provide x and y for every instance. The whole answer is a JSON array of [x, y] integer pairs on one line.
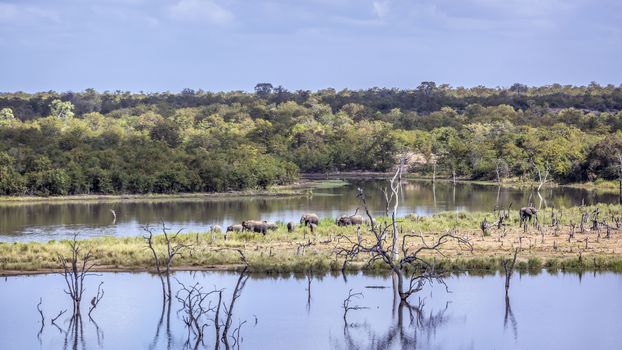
[[166, 310], [75, 270], [509, 315], [308, 292], [508, 267], [74, 336], [423, 270], [42, 319], [195, 308], [98, 332], [402, 335], [114, 216], [163, 263], [237, 292], [347, 307]]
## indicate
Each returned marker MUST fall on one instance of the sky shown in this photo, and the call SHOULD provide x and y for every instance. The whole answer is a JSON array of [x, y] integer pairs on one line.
[[224, 45]]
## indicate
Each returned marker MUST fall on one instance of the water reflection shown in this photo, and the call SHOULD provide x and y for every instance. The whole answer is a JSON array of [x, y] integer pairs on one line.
[[303, 312], [125, 217], [509, 315], [400, 335]]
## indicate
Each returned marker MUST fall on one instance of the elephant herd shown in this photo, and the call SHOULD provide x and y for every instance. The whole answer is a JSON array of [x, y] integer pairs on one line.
[[310, 220]]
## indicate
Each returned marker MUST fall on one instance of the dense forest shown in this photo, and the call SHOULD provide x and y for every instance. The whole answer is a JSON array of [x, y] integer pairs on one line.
[[120, 142]]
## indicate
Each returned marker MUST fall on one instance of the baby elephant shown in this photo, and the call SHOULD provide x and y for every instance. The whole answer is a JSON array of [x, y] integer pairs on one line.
[[216, 229], [235, 228], [271, 226], [308, 219], [290, 227], [526, 213]]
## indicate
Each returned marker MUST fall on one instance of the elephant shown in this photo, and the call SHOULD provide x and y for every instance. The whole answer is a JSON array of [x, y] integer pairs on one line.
[[290, 227], [216, 229], [235, 228], [307, 219], [271, 225], [348, 220], [526, 213], [255, 226]]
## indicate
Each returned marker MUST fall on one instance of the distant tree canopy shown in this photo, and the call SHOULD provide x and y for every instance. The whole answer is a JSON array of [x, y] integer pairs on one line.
[[120, 142]]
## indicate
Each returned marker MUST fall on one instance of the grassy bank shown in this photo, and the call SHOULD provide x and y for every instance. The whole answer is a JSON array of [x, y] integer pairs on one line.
[[279, 251], [300, 188], [293, 190]]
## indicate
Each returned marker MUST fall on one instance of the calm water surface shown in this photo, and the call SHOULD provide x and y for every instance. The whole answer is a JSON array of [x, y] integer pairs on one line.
[[564, 311], [47, 221]]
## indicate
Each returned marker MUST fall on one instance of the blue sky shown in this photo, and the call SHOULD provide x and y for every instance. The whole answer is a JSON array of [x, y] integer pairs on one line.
[[221, 45]]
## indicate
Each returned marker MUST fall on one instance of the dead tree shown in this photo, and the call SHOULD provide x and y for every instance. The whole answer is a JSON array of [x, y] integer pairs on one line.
[[97, 298], [504, 215], [543, 176], [595, 219], [393, 198], [423, 271], [74, 270], [499, 164], [163, 261]]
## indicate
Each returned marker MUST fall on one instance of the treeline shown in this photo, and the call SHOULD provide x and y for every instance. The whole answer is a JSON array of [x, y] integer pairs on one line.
[[89, 142]]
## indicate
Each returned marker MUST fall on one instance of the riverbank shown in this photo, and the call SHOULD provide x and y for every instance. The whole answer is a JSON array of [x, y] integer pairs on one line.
[[281, 191], [300, 188], [544, 247], [600, 185], [305, 186]]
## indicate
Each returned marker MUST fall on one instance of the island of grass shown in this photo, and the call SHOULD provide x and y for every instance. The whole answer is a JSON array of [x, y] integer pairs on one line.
[[557, 243]]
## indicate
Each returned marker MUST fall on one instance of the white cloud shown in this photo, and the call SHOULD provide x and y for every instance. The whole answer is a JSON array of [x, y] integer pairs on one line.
[[201, 10], [8, 12], [381, 8], [20, 13]]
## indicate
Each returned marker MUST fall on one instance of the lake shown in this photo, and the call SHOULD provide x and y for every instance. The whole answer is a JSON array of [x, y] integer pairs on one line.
[[59, 220], [544, 311]]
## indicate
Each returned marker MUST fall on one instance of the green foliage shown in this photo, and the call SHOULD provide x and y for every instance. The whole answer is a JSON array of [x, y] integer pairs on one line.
[[62, 110], [200, 141], [6, 114]]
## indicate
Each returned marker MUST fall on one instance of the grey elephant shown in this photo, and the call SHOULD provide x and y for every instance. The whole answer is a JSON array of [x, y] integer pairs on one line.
[[216, 229], [255, 226], [235, 228], [271, 225], [311, 218], [527, 213], [290, 227], [348, 220]]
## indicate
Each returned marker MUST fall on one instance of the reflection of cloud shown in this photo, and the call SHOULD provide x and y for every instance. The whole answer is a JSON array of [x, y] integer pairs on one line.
[[206, 10]]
